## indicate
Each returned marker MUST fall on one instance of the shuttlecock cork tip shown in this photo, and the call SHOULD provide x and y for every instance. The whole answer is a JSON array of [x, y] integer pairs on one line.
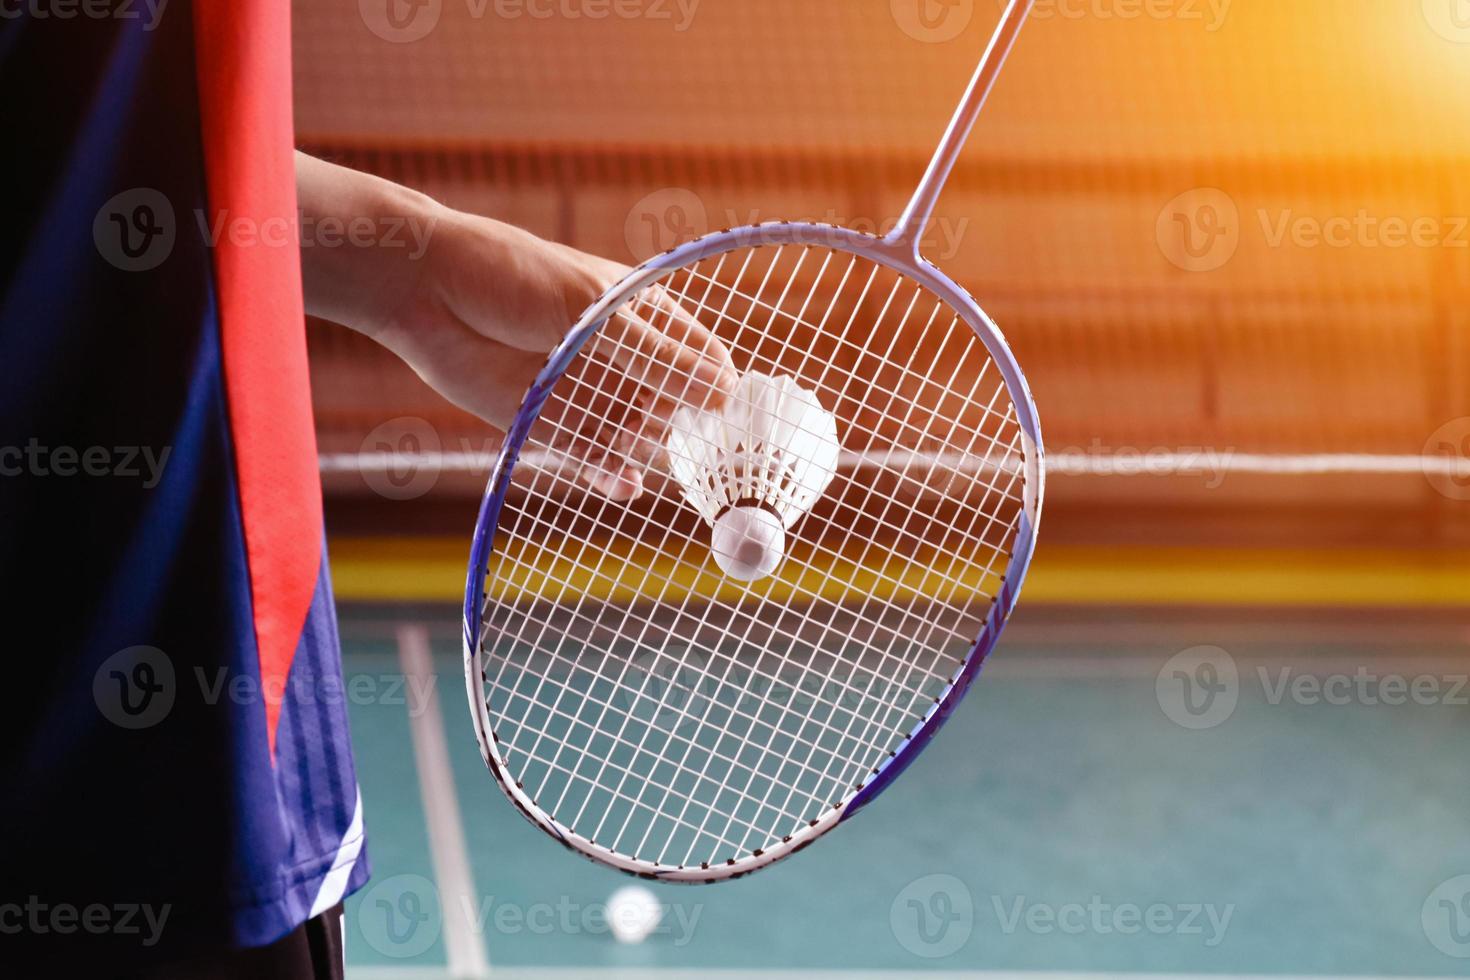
[[748, 543]]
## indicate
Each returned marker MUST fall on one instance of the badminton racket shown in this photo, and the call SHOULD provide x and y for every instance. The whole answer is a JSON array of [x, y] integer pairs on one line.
[[694, 683]]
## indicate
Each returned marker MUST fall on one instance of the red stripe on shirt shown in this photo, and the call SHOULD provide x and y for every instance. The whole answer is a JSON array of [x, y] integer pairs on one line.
[[243, 65]]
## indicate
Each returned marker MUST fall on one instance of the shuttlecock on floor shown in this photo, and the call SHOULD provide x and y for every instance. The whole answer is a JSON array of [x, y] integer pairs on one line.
[[753, 468], [633, 912]]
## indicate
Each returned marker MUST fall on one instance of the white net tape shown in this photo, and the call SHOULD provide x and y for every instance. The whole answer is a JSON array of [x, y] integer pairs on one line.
[[679, 718]]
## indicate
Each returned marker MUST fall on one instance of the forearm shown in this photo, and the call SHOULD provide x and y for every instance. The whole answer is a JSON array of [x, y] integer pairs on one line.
[[363, 244], [473, 304]]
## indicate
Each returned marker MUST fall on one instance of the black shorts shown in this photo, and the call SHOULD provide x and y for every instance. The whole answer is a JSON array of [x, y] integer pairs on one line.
[[312, 952]]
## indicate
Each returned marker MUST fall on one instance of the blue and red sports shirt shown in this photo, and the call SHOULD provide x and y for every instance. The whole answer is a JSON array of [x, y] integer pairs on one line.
[[175, 734]]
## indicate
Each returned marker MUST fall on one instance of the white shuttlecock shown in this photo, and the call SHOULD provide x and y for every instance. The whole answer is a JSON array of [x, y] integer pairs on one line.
[[753, 468], [633, 912]]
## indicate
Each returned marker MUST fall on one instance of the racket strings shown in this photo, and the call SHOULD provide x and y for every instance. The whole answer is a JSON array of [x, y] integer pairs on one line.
[[954, 465], [820, 385], [752, 767], [707, 311], [554, 660], [932, 551], [857, 617], [685, 291], [617, 739], [891, 528], [847, 691], [1010, 465], [882, 318]]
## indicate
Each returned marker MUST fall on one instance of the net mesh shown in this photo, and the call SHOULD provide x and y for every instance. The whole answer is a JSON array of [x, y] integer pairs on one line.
[[659, 709]]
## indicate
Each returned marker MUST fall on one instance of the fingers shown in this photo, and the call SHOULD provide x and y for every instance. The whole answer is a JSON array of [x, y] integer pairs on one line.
[[671, 360], [658, 344], [715, 368], [609, 415], [620, 485], [600, 458]]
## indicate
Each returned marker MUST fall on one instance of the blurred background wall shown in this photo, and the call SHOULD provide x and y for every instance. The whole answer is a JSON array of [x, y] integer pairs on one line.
[[1223, 236]]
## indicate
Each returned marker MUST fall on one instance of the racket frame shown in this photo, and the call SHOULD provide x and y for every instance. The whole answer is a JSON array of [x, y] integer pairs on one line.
[[896, 252]]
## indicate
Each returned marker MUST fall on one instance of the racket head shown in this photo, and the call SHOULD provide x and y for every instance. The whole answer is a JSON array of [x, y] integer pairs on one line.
[[899, 258]]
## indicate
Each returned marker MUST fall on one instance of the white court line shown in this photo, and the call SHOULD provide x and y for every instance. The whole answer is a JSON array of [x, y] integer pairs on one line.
[[590, 973], [457, 896]]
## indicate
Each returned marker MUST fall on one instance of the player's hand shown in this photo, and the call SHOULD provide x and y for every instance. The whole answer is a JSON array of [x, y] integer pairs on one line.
[[476, 314]]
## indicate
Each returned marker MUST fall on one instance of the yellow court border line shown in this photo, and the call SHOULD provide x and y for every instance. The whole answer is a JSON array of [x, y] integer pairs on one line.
[[417, 569]]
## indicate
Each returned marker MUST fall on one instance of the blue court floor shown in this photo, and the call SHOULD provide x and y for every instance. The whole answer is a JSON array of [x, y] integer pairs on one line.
[[1114, 798]]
